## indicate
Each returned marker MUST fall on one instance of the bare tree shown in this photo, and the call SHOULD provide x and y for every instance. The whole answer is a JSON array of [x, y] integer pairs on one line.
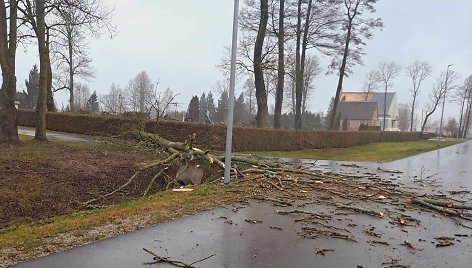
[[140, 92], [435, 98], [357, 29], [74, 20], [387, 72], [83, 94], [114, 101], [162, 102], [281, 66], [300, 59], [8, 44], [418, 72], [464, 98], [371, 83]]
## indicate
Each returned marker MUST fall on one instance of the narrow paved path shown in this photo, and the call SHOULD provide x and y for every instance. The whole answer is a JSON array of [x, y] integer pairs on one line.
[[54, 135]]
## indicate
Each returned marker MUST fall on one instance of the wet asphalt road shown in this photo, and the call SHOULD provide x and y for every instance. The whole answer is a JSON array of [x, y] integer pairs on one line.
[[243, 244]]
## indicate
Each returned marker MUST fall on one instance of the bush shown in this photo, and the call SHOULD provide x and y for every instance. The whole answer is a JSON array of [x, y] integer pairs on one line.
[[213, 137]]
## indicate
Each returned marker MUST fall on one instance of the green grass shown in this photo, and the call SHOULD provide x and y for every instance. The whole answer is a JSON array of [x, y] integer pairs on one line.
[[374, 152]]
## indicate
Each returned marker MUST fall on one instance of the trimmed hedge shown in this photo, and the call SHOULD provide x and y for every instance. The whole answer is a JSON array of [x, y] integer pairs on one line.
[[213, 136]]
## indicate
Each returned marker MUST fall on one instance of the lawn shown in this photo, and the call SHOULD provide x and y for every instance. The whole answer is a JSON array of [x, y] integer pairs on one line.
[[374, 152]]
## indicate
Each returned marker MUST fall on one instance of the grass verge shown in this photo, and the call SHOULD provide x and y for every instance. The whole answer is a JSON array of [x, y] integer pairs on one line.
[[374, 152], [23, 242]]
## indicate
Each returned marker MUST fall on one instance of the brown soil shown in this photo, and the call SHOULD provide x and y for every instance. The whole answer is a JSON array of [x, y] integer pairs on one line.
[[42, 180]]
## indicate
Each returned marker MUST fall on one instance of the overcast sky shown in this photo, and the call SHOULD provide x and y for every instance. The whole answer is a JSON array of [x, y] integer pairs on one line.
[[180, 43]]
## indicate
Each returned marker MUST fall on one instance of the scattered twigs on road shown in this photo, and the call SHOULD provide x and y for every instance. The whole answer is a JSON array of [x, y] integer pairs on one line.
[[361, 210], [159, 259], [313, 232], [296, 211]]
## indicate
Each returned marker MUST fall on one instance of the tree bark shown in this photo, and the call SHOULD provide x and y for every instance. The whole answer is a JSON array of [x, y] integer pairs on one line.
[[40, 133], [71, 74], [412, 112], [8, 116], [300, 77], [467, 123], [298, 99], [281, 67], [261, 94], [342, 72], [51, 106]]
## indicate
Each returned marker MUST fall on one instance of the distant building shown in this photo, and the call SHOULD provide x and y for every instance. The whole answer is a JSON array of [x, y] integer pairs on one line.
[[357, 113], [392, 114]]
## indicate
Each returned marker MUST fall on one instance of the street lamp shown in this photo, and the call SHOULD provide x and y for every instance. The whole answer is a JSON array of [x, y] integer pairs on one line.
[[232, 83], [444, 103]]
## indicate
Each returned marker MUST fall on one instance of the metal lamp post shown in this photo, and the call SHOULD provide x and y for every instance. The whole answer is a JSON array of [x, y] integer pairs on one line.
[[232, 83], [444, 104]]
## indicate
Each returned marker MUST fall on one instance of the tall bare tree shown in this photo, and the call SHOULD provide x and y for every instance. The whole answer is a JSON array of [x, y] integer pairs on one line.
[[387, 72], [140, 92], [261, 93], [357, 28], [73, 22], [440, 90], [300, 59], [371, 83], [418, 72], [464, 98], [281, 66], [114, 101], [8, 44]]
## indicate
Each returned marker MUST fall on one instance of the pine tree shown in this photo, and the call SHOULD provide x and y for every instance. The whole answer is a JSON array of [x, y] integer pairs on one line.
[[329, 114], [32, 88], [193, 111], [203, 108], [211, 107], [92, 104], [222, 109], [240, 110]]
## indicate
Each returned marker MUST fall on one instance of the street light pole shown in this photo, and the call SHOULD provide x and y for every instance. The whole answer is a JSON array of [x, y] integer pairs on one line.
[[232, 83], [444, 103]]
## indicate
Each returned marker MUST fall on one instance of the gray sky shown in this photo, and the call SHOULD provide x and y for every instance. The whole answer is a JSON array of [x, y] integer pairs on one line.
[[180, 43]]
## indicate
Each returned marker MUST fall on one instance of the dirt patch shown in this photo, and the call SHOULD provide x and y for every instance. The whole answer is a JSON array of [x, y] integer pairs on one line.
[[43, 180]]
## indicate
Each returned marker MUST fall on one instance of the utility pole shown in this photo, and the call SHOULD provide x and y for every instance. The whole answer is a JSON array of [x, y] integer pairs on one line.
[[232, 83], [444, 104]]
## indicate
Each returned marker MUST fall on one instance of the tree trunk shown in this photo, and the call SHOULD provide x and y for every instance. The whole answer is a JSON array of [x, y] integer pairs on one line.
[[40, 133], [461, 118], [298, 99], [426, 120], [301, 76], [412, 112], [385, 107], [51, 106], [71, 76], [342, 71], [281, 67], [8, 116], [261, 94], [467, 122]]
